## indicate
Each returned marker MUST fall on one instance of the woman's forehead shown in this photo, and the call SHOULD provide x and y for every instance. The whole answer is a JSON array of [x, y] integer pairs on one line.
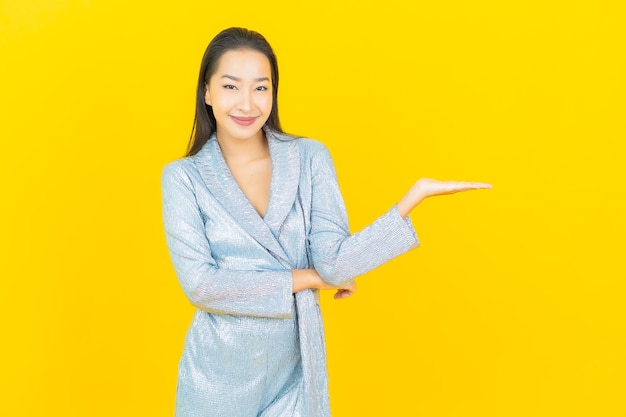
[[244, 64]]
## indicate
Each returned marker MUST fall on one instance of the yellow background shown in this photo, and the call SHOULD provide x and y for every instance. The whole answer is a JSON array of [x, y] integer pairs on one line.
[[514, 305]]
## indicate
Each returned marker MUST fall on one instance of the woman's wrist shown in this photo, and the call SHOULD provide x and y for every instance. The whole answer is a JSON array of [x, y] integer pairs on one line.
[[302, 279], [407, 203]]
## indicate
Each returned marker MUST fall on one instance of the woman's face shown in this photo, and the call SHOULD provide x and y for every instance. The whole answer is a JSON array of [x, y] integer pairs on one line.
[[240, 92]]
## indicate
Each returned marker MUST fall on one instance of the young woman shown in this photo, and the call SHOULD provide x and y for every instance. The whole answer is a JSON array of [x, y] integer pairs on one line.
[[256, 225]]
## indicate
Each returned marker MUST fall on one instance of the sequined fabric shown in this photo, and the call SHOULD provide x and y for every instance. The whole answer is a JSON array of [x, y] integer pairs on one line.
[[254, 348]]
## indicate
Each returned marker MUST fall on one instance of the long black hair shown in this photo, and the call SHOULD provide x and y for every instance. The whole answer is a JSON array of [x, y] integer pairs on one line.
[[234, 38]]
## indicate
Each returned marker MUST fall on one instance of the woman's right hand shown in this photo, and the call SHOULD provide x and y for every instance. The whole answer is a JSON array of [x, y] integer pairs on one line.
[[345, 292], [309, 279]]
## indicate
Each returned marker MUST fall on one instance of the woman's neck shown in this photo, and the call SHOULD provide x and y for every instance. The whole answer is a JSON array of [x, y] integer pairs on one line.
[[244, 150]]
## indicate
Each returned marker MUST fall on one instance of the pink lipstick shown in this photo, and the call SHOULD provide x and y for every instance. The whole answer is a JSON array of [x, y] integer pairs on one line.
[[243, 121]]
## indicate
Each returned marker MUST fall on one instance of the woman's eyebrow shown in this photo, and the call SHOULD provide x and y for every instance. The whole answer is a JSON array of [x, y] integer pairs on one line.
[[232, 77]]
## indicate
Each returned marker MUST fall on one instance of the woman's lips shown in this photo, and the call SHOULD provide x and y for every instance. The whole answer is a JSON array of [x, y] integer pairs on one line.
[[243, 121]]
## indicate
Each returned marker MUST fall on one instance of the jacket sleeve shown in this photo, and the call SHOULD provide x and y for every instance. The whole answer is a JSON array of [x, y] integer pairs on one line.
[[338, 256], [208, 287]]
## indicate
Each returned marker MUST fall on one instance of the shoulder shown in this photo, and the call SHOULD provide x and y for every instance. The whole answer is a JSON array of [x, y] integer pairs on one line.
[[312, 146], [307, 147], [315, 157], [180, 172]]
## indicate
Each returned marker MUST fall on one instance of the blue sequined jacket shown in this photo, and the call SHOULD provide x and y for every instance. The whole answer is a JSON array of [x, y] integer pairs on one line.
[[235, 267]]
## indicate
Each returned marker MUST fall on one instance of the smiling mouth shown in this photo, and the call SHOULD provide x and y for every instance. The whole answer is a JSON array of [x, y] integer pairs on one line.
[[243, 121]]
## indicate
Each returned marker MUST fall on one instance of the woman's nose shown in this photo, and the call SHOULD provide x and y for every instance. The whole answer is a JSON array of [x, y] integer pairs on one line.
[[245, 101]]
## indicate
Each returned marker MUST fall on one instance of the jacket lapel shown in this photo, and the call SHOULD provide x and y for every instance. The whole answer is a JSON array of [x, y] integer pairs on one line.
[[284, 184], [285, 156]]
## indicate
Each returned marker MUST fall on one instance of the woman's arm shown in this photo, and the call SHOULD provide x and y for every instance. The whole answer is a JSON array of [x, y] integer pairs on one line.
[[213, 289], [340, 257], [208, 287]]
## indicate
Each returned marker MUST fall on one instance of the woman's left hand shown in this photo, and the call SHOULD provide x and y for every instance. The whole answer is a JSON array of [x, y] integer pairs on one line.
[[428, 187]]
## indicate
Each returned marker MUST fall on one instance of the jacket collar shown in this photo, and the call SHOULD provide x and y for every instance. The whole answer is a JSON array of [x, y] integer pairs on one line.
[[285, 157]]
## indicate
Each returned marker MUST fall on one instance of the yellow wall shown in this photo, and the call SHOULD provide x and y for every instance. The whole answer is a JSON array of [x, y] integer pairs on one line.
[[514, 305]]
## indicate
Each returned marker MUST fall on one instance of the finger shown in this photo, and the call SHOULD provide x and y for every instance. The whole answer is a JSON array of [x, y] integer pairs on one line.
[[479, 185], [466, 185], [342, 293]]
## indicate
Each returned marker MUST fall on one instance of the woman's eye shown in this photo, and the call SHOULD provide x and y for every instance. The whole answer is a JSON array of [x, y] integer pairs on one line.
[[229, 87], [262, 88]]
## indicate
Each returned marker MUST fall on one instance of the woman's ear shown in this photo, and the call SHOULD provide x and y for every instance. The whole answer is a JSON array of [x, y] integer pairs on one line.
[[207, 97]]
